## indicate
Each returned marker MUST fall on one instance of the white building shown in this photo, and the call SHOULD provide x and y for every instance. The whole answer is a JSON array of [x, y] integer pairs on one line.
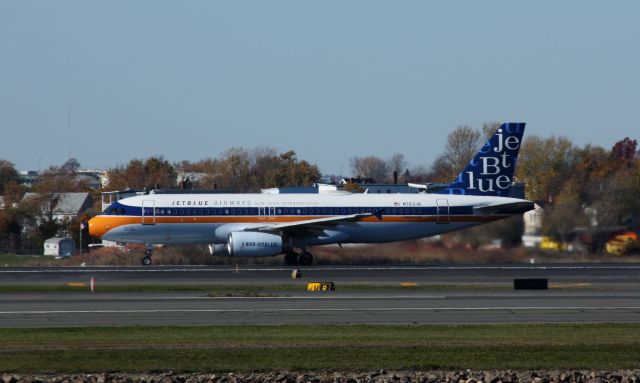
[[59, 247], [532, 236]]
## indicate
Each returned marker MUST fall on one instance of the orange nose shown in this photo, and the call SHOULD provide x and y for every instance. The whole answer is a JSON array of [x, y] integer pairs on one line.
[[97, 227]]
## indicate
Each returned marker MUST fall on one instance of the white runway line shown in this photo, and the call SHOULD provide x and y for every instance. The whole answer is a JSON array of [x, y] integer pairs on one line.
[[142, 269]]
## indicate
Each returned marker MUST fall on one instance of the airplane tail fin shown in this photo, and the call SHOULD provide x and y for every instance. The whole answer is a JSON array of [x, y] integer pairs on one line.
[[490, 172]]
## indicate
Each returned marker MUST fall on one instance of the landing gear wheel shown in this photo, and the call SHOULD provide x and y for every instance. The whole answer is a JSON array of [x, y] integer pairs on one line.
[[305, 259], [291, 259], [146, 261]]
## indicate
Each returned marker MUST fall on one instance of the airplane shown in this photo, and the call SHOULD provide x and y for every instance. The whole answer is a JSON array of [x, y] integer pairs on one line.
[[263, 225]]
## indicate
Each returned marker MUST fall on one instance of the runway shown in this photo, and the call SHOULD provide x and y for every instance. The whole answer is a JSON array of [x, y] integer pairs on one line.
[[611, 274], [112, 309], [603, 293]]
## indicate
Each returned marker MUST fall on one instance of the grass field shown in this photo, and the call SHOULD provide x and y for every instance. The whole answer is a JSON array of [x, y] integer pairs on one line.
[[21, 260], [350, 347]]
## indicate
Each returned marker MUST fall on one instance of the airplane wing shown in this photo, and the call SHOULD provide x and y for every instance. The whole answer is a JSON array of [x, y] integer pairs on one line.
[[313, 225]]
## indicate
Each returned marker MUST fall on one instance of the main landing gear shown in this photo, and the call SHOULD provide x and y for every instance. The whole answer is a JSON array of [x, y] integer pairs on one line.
[[146, 260], [303, 258]]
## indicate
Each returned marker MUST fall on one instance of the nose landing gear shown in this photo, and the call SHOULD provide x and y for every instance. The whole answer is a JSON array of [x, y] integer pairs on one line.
[[146, 260]]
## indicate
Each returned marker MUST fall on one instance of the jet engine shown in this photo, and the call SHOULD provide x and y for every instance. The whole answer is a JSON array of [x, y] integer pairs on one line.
[[218, 249], [252, 244]]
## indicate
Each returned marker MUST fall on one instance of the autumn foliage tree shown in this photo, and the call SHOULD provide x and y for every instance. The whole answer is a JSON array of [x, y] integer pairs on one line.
[[139, 174]]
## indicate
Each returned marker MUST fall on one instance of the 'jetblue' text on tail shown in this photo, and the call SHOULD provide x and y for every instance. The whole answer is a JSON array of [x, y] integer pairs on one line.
[[490, 172]]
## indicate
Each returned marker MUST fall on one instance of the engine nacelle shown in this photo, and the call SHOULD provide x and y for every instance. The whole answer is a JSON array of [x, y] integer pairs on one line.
[[252, 244], [218, 250]]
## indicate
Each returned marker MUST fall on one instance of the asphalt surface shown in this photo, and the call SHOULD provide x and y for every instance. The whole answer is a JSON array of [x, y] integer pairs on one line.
[[586, 293], [603, 274]]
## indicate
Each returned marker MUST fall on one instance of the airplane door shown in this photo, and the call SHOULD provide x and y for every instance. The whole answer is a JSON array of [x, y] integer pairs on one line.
[[148, 212], [442, 211], [267, 212]]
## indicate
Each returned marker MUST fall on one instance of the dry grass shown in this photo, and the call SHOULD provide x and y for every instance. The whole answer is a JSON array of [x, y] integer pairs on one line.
[[394, 253], [408, 252], [416, 252]]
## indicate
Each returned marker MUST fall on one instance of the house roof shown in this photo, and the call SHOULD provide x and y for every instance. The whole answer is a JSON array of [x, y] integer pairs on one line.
[[58, 240], [66, 203]]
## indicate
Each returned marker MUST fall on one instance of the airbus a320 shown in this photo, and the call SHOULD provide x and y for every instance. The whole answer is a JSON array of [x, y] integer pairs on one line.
[[264, 225]]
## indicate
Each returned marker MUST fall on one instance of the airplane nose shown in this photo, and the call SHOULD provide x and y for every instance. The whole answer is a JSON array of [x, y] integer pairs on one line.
[[96, 229]]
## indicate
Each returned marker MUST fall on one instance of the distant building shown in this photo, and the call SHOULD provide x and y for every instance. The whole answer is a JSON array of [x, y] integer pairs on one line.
[[94, 179], [64, 206], [59, 247], [28, 178], [357, 180], [532, 219], [189, 180]]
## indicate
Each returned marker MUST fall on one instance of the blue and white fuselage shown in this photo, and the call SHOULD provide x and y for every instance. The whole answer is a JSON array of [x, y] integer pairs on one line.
[[272, 224]]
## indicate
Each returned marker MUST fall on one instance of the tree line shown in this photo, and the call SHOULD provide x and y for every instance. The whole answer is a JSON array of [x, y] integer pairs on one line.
[[585, 191]]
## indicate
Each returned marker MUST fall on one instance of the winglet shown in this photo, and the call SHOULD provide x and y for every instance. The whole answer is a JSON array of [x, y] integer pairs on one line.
[[490, 172]]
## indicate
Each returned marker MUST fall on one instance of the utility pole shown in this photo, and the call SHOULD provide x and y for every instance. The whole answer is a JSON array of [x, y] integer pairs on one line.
[[81, 228]]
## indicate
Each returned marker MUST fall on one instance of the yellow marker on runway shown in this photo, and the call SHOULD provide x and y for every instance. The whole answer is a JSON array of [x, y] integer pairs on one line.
[[320, 286], [408, 284], [76, 284]]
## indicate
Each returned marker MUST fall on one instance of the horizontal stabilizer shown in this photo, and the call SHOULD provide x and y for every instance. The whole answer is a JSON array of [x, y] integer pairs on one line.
[[505, 208]]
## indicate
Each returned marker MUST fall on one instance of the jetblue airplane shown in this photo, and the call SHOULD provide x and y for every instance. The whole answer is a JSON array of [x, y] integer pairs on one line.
[[263, 225]]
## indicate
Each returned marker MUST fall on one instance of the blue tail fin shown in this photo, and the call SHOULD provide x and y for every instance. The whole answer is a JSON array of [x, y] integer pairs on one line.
[[490, 172]]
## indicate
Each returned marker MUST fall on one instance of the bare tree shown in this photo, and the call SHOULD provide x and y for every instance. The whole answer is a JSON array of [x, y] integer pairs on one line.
[[489, 128], [462, 144], [369, 167], [397, 163]]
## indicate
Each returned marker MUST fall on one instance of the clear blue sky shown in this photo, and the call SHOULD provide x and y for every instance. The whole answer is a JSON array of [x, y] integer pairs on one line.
[[328, 79]]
